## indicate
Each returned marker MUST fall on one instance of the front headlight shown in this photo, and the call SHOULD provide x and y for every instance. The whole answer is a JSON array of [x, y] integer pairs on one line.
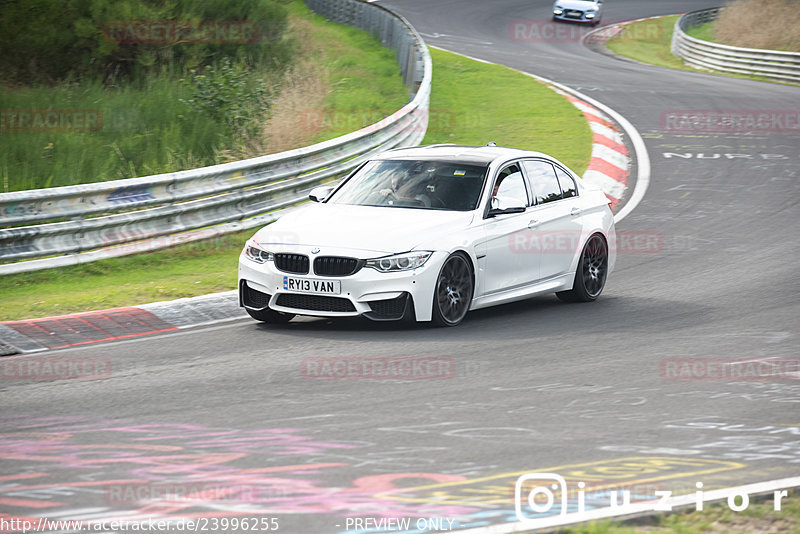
[[399, 262], [558, 11], [255, 253], [589, 15]]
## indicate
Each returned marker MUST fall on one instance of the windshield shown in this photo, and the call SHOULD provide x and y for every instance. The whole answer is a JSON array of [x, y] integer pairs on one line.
[[414, 184]]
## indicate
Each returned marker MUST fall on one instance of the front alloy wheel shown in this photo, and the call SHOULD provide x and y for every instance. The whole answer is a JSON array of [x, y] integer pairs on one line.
[[453, 293], [590, 278]]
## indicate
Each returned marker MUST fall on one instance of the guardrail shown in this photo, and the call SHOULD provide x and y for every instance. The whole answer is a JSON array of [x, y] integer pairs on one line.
[[76, 224], [784, 66]]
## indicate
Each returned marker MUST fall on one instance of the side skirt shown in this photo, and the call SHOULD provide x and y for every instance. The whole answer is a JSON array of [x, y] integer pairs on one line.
[[559, 283]]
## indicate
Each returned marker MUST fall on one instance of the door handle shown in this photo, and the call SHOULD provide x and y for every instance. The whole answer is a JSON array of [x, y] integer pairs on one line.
[[533, 224], [575, 211]]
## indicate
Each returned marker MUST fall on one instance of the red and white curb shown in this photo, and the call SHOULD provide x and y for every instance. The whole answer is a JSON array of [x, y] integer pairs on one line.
[[609, 165], [36, 335], [639, 154]]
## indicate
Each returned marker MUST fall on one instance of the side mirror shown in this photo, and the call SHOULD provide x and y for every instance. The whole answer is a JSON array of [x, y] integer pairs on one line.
[[505, 205], [318, 194]]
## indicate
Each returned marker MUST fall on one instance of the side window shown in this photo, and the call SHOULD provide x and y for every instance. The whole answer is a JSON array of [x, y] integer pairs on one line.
[[543, 181], [509, 183], [568, 187]]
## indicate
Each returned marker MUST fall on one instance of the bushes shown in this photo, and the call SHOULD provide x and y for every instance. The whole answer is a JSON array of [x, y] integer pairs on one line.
[[45, 41], [227, 95]]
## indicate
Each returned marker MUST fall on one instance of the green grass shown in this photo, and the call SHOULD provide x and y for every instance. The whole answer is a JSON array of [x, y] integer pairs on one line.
[[474, 103], [649, 41], [704, 32], [717, 518], [141, 131], [184, 271], [517, 111], [365, 80]]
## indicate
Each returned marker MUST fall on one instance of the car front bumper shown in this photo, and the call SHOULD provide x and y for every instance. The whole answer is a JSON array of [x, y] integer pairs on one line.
[[581, 18], [368, 292]]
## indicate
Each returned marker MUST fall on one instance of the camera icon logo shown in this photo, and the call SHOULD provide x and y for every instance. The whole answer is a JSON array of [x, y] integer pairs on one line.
[[528, 501]]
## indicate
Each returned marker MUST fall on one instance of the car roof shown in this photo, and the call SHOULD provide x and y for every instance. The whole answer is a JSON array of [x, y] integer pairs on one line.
[[475, 154]]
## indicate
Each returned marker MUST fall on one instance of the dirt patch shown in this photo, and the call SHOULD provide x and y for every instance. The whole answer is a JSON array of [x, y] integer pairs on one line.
[[302, 94], [766, 24]]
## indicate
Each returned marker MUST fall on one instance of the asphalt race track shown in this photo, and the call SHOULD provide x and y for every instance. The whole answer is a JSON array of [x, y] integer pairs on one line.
[[593, 392]]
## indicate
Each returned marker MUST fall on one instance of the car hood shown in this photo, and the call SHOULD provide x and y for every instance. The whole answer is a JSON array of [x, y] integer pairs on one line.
[[365, 229], [576, 4]]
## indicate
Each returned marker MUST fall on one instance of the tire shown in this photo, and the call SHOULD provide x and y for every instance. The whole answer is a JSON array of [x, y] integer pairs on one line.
[[452, 295], [590, 277], [270, 316]]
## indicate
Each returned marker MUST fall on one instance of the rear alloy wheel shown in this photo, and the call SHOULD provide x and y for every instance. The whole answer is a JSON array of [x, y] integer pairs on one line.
[[452, 295], [270, 316], [590, 277]]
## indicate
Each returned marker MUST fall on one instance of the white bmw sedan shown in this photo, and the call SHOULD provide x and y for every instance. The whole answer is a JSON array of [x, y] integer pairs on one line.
[[429, 233]]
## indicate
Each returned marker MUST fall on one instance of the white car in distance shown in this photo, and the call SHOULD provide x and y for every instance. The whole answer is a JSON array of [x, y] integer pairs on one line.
[[429, 233], [585, 11]]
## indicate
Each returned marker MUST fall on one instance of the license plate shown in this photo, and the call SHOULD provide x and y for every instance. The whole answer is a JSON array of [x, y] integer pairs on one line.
[[310, 285]]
